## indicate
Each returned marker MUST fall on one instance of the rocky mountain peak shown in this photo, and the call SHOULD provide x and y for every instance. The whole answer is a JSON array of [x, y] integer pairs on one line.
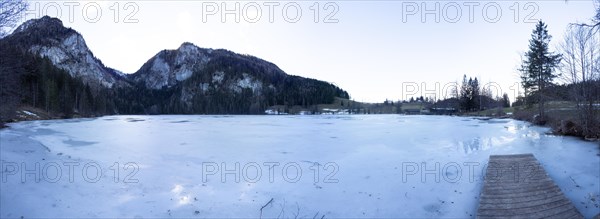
[[45, 22], [187, 47], [66, 48], [171, 66]]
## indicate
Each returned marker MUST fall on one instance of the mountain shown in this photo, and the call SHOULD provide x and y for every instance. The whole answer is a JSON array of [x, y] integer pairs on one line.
[[216, 81], [48, 66], [169, 67], [66, 48]]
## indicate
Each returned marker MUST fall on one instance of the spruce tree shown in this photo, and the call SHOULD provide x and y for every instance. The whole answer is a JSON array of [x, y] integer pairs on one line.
[[537, 69]]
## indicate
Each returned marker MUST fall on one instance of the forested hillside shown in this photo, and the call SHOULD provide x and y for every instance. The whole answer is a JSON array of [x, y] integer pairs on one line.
[[47, 66]]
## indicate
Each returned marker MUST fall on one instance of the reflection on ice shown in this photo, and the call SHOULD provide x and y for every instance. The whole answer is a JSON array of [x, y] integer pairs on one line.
[[473, 145], [179, 194], [75, 143], [479, 143]]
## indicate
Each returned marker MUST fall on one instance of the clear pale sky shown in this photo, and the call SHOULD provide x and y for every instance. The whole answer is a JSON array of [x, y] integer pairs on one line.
[[372, 49]]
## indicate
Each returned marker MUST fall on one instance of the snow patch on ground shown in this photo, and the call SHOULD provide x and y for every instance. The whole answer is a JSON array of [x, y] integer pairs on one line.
[[30, 113]]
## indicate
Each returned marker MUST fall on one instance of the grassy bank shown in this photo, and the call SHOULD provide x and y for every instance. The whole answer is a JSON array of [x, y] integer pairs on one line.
[[563, 117]]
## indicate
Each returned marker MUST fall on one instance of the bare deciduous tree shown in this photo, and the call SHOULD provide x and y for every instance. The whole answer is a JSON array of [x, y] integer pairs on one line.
[[596, 20], [10, 13], [580, 50], [580, 65]]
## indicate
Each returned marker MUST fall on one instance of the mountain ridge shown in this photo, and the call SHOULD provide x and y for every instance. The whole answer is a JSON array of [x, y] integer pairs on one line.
[[186, 80]]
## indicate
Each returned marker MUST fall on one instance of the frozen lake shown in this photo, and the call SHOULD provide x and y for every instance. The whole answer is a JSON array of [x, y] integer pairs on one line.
[[274, 166]]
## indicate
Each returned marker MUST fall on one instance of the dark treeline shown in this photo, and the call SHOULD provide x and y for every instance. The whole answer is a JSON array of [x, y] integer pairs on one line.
[[29, 80], [561, 92], [471, 96]]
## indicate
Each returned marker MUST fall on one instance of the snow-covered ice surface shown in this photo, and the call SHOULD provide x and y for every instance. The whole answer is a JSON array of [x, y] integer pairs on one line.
[[351, 166]]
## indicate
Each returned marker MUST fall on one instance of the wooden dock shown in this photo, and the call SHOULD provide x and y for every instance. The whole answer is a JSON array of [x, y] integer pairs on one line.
[[517, 186]]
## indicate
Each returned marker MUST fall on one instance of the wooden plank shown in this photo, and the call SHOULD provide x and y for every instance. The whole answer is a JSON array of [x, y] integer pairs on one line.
[[519, 193], [517, 186], [520, 203], [505, 200], [525, 211], [524, 188]]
